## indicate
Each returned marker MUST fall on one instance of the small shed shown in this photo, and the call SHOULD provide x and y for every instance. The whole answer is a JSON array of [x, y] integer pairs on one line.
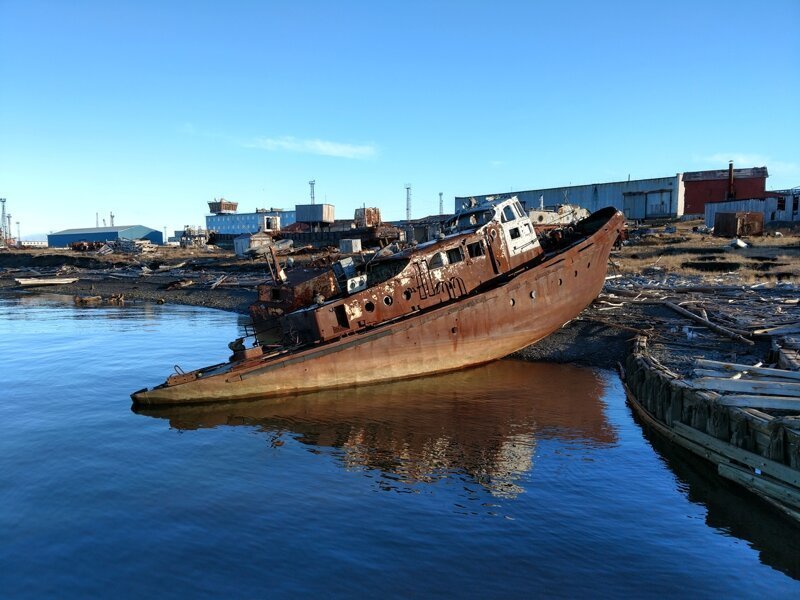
[[738, 224], [247, 241]]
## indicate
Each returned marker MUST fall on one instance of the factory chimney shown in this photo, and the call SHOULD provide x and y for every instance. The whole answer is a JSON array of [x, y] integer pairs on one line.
[[730, 180]]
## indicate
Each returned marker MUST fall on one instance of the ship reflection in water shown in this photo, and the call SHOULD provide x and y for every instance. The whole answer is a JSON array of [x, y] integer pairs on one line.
[[482, 423]]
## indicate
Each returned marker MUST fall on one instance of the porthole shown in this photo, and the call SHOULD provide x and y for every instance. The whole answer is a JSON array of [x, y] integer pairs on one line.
[[512, 302], [387, 300], [369, 306], [533, 294], [576, 273], [559, 281], [407, 294], [454, 330]]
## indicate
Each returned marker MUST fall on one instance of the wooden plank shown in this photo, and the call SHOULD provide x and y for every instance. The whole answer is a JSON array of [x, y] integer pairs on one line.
[[763, 486], [755, 401], [746, 375], [749, 386], [718, 328], [734, 367], [779, 330], [756, 461]]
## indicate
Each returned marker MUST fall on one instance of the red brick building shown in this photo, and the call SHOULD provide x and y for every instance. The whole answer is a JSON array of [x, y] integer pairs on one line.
[[722, 184]]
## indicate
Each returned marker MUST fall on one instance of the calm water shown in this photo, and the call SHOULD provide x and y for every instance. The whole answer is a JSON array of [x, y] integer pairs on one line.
[[510, 480]]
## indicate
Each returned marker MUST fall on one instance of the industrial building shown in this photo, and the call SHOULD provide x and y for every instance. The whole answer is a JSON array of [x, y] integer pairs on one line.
[[662, 197], [703, 187], [62, 239], [677, 196], [226, 221]]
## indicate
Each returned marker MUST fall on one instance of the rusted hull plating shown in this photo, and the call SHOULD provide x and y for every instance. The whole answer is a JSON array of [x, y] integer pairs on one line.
[[470, 332]]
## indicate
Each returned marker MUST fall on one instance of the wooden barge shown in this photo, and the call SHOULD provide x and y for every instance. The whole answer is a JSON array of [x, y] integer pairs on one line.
[[745, 419]]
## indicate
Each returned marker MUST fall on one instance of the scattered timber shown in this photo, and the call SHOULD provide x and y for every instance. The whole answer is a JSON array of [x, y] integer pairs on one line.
[[709, 324], [40, 281]]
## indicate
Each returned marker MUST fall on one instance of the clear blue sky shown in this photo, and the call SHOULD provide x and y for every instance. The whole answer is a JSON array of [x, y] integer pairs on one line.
[[150, 109]]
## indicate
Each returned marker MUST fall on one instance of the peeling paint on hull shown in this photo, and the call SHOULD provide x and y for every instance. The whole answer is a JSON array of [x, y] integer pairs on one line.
[[469, 332]]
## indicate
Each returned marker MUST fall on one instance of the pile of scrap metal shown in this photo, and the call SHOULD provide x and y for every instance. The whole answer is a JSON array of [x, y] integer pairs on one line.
[[563, 214], [85, 246]]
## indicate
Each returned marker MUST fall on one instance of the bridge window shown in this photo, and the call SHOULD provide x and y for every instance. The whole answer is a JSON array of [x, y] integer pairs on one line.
[[475, 249], [454, 255], [514, 233], [436, 261], [508, 214]]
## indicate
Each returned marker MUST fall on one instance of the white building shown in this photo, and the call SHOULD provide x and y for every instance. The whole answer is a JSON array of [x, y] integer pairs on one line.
[[662, 197]]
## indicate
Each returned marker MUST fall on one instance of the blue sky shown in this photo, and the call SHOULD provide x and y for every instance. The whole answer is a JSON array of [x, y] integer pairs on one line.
[[150, 109]]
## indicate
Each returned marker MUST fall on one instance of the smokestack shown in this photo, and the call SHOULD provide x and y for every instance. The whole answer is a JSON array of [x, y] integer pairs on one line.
[[730, 179]]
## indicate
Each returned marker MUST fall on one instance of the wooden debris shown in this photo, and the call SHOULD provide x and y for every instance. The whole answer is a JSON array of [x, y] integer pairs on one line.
[[709, 324], [733, 367]]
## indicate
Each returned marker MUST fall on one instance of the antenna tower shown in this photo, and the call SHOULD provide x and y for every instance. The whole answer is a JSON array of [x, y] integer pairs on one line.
[[311, 185], [8, 228], [408, 202], [441, 204], [3, 235], [111, 216]]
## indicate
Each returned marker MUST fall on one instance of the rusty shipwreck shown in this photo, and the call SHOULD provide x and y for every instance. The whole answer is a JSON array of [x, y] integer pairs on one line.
[[490, 285]]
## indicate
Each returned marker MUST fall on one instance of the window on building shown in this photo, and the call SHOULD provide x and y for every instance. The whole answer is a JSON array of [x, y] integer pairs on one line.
[[782, 203]]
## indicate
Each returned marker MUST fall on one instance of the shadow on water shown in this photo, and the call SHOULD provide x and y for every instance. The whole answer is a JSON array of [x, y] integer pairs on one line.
[[730, 507], [482, 423]]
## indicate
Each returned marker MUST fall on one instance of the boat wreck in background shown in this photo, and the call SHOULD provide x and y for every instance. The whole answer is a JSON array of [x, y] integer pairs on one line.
[[490, 286]]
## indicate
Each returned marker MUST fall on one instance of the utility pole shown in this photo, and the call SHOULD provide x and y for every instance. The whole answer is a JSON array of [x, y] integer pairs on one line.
[[311, 184], [19, 237], [441, 204], [8, 228], [112, 219], [408, 202]]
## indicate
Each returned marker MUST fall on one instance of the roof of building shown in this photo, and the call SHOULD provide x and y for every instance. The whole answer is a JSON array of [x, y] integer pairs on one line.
[[89, 230], [430, 219], [570, 186], [751, 173]]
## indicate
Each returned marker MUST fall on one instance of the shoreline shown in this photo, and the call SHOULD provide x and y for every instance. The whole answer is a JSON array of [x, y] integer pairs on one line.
[[580, 342]]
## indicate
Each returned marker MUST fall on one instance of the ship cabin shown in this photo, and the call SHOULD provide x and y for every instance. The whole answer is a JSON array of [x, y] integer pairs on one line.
[[483, 244]]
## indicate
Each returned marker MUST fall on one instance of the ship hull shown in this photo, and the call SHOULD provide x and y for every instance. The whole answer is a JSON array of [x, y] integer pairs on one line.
[[468, 332]]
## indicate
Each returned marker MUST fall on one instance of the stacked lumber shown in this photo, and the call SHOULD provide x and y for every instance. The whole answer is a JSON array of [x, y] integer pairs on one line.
[[752, 386]]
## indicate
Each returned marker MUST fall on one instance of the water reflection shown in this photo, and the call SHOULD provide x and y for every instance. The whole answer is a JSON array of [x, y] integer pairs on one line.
[[482, 424], [731, 508]]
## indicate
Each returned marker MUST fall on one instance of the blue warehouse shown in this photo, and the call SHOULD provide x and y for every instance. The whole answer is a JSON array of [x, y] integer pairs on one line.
[[62, 239]]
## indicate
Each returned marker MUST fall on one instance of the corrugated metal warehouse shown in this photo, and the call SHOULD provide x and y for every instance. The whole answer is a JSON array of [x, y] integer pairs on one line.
[[62, 239], [662, 197], [783, 208]]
